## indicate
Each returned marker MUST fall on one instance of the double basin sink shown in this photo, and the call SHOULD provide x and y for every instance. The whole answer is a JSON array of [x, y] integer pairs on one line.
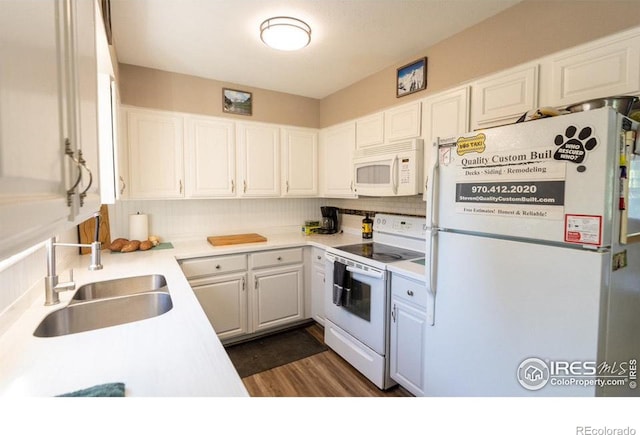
[[102, 304]]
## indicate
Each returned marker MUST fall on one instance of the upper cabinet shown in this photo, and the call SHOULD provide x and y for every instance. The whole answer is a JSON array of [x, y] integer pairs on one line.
[[402, 122], [47, 119], [210, 157], [397, 123], [155, 151], [601, 69], [502, 98], [445, 116], [258, 159], [299, 162], [337, 146]]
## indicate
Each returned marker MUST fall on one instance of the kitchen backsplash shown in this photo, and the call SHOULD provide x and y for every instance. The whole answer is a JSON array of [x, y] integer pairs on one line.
[[22, 272], [184, 219]]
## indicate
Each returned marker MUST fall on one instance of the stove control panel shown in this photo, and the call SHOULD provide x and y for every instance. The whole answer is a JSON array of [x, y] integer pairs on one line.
[[411, 226]]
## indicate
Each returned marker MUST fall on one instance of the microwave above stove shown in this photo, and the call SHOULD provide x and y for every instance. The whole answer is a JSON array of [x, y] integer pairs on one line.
[[389, 170]]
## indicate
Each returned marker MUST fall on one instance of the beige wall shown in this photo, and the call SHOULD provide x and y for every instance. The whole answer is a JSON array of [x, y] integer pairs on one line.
[[164, 90], [527, 31]]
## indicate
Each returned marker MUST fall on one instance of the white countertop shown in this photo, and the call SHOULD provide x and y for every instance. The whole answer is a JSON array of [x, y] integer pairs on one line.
[[409, 269], [175, 354]]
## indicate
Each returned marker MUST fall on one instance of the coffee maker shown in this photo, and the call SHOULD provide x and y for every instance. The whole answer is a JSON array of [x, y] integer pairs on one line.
[[329, 220]]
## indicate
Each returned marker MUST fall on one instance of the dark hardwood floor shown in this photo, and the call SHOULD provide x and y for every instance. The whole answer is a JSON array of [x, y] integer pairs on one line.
[[324, 374]]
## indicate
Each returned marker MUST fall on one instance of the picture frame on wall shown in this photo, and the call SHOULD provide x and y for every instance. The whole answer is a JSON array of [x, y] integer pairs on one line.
[[237, 102], [411, 78]]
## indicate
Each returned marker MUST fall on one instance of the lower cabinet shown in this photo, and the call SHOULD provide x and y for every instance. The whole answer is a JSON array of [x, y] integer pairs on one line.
[[244, 294], [224, 300], [408, 328], [278, 297]]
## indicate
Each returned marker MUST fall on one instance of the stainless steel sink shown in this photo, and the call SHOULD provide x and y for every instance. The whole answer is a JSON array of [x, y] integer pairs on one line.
[[119, 287], [102, 313]]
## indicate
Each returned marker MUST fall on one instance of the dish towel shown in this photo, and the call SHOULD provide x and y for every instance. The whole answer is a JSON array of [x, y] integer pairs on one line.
[[341, 284], [114, 389]]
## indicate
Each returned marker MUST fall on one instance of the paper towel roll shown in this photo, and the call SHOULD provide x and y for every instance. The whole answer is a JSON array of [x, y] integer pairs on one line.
[[138, 227]]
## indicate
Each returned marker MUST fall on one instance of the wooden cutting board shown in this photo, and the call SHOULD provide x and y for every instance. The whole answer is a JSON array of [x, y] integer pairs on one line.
[[87, 231], [235, 239]]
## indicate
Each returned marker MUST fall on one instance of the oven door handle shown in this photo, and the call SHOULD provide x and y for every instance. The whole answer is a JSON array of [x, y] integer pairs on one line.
[[369, 273]]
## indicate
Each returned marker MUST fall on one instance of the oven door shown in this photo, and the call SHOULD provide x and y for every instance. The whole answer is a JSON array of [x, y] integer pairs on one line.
[[363, 314]]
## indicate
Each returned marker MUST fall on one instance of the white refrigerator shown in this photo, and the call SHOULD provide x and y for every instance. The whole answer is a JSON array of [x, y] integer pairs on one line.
[[533, 262]]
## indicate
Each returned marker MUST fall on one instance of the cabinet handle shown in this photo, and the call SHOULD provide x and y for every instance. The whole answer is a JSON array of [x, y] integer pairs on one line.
[[287, 186], [245, 186], [393, 313], [243, 283], [217, 266], [279, 258], [410, 292], [83, 164], [69, 153], [233, 186], [123, 185], [319, 257], [351, 185], [180, 186], [255, 283]]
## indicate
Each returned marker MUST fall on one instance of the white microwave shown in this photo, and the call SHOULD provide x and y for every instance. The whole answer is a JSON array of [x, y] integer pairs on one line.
[[389, 170]]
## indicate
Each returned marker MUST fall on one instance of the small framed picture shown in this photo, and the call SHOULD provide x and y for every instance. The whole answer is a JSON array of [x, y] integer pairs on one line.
[[236, 102], [411, 78]]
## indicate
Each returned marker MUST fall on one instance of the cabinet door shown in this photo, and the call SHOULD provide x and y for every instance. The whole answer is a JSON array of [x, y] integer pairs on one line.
[[33, 202], [611, 67], [258, 159], [210, 156], [317, 293], [86, 102], [445, 116], [408, 326], [299, 162], [504, 97], [337, 146], [277, 297], [370, 130], [402, 122], [224, 300], [155, 154]]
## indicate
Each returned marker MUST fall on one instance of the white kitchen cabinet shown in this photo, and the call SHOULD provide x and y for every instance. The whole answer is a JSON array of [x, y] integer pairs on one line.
[[210, 157], [45, 109], [299, 153], [277, 297], [220, 284], [391, 125], [317, 285], [337, 146], [258, 159], [155, 154], [370, 130], [402, 122], [604, 68], [224, 300], [408, 328], [445, 116], [502, 98]]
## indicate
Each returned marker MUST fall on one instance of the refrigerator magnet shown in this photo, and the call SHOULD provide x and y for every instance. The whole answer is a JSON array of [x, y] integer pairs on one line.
[[583, 229]]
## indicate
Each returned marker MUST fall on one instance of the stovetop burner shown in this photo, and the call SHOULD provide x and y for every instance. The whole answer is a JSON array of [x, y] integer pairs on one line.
[[381, 252]]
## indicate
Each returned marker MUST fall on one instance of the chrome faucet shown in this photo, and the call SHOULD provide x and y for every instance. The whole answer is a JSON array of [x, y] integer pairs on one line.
[[51, 284]]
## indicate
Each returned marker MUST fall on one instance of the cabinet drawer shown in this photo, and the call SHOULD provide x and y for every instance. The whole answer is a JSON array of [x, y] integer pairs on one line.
[[213, 265], [409, 290], [276, 258]]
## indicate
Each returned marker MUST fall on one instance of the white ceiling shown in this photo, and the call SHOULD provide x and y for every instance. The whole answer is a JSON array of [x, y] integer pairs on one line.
[[350, 40]]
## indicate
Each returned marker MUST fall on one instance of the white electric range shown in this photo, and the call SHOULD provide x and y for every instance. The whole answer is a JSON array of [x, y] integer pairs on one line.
[[357, 312]]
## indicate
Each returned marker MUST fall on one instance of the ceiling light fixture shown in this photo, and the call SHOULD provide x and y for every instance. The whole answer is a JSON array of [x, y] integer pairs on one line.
[[285, 33]]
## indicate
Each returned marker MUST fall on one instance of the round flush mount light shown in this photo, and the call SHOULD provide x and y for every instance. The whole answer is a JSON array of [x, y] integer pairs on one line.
[[285, 33]]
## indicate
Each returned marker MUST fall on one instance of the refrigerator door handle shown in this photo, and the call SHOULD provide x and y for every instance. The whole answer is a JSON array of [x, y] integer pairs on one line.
[[433, 237]]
